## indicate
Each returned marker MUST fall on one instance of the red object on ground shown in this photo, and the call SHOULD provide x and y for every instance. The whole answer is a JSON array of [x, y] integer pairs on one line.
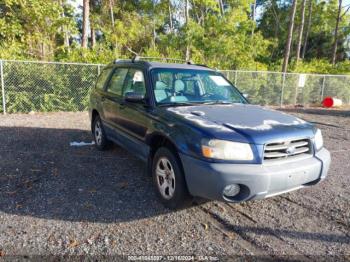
[[328, 101]]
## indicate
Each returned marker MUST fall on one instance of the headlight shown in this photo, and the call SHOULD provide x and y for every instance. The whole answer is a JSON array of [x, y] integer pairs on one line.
[[226, 150], [318, 139]]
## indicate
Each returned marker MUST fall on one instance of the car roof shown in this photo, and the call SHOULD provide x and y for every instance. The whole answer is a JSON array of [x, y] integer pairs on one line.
[[151, 65]]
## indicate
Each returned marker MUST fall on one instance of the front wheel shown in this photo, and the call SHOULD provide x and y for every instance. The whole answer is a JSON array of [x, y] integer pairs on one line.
[[169, 179]]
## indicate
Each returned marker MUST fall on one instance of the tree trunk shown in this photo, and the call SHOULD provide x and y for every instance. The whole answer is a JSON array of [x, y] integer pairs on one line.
[[66, 39], [274, 7], [111, 3], [170, 17], [153, 25], [86, 13], [221, 7], [301, 30], [307, 29], [64, 28], [42, 51], [335, 44], [187, 18], [289, 38], [277, 20], [187, 15], [253, 17], [93, 37]]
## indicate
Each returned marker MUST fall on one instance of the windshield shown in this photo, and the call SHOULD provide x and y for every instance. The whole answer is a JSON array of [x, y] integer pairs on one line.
[[184, 86]]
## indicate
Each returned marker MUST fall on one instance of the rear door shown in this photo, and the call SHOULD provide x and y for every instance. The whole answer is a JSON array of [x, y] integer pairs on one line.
[[98, 93], [113, 98]]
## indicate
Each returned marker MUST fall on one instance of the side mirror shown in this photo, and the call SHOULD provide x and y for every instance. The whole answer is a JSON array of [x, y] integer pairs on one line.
[[134, 97]]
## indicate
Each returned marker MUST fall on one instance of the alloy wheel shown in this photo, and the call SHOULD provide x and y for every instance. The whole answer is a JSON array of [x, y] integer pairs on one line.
[[165, 178], [98, 133]]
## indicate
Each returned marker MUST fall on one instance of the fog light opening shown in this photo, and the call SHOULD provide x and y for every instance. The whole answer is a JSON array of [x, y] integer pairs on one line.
[[231, 190]]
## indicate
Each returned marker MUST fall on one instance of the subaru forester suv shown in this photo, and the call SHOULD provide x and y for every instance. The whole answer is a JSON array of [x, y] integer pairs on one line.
[[199, 135]]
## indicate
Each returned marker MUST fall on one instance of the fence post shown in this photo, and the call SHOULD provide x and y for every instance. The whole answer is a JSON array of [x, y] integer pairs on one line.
[[3, 86], [282, 90], [323, 84], [235, 78], [98, 69]]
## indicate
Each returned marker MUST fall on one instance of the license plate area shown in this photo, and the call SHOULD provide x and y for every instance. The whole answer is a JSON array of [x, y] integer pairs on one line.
[[297, 178]]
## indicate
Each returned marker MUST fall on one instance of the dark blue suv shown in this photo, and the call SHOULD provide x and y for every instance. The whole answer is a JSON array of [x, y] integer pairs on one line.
[[199, 135]]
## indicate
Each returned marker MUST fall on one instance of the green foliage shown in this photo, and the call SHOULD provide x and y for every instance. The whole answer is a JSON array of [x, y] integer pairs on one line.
[[33, 28], [273, 24], [39, 29], [47, 87]]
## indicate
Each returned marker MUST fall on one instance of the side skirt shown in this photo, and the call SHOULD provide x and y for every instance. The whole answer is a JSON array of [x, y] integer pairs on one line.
[[131, 144]]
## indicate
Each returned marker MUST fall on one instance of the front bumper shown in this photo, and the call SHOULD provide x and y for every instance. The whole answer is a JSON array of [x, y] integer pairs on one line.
[[208, 180]]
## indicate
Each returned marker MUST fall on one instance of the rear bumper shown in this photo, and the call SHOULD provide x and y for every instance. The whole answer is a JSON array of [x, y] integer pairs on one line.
[[208, 180]]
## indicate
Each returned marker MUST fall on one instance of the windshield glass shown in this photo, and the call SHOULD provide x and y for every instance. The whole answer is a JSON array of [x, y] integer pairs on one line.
[[184, 86]]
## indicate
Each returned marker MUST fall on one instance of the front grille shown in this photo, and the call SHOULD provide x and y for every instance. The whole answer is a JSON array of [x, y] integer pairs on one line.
[[287, 149]]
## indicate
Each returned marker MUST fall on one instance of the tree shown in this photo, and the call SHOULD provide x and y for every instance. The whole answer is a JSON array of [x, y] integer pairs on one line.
[[34, 29], [86, 14], [301, 30], [335, 44], [171, 26], [187, 19], [219, 33], [221, 7], [93, 14], [111, 4], [63, 28], [308, 28], [290, 36], [253, 16]]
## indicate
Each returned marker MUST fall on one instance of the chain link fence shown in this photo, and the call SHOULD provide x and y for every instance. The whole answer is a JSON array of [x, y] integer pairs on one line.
[[49, 86], [283, 89], [45, 87]]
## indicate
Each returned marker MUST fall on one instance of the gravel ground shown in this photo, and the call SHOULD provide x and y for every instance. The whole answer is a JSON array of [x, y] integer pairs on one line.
[[61, 200]]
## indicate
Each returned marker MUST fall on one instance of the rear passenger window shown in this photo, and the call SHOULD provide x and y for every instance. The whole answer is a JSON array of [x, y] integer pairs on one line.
[[102, 78], [117, 80]]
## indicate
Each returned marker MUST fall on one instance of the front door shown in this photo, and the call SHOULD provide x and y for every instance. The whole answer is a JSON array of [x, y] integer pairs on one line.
[[132, 117]]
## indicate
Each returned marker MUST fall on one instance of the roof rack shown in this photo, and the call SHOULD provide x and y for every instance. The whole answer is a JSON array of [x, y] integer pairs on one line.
[[163, 59], [121, 60], [201, 65]]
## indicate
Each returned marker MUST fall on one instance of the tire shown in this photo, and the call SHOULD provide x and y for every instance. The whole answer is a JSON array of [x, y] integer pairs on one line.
[[99, 134], [169, 180]]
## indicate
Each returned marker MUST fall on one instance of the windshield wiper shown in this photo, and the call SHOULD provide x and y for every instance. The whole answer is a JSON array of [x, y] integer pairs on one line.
[[179, 104], [218, 102], [194, 103]]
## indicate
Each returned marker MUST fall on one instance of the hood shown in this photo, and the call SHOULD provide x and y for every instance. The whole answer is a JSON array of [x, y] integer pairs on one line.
[[255, 123]]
